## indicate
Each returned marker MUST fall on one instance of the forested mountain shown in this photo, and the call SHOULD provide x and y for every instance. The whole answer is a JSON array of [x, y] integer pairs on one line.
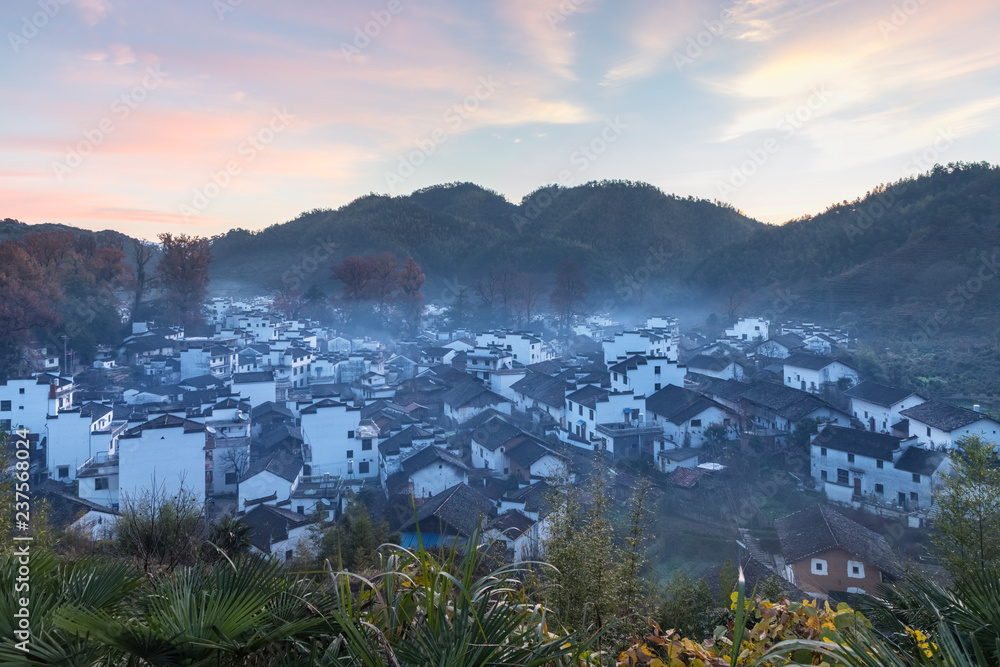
[[462, 231]]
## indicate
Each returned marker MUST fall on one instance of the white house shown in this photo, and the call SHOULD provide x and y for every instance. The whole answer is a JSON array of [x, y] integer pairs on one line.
[[525, 348], [163, 455], [780, 347], [940, 424], [749, 329], [68, 439], [27, 402], [489, 442], [878, 406], [855, 465], [256, 387], [590, 405], [432, 470], [809, 372], [645, 375], [277, 532], [269, 479], [646, 342], [335, 441], [465, 401], [400, 445], [684, 416]]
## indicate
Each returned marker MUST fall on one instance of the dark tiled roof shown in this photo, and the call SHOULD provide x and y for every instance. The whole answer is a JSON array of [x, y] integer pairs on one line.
[[461, 507], [685, 478], [856, 441], [280, 462], [548, 390], [589, 396], [404, 439], [271, 524], [429, 456], [677, 404], [813, 362], [821, 528], [629, 364], [512, 524], [550, 367], [203, 382], [787, 402], [919, 460], [704, 362], [474, 395], [166, 421], [494, 433], [527, 451], [325, 403], [941, 415], [789, 341], [535, 497], [279, 434], [483, 417], [879, 394], [270, 407], [255, 376]]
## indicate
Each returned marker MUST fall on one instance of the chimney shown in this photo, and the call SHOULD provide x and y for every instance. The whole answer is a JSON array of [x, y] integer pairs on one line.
[[53, 401]]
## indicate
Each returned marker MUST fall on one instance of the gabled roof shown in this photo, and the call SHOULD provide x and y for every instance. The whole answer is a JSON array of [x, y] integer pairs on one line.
[[318, 405], [821, 528], [270, 524], [535, 497], [919, 460], [404, 439], [280, 462], [677, 404], [432, 455], [460, 508], [542, 388], [550, 367], [475, 422], [879, 394], [203, 382], [789, 341], [943, 416], [472, 395], [494, 433], [792, 404], [279, 434], [705, 362], [165, 421], [629, 364], [527, 450], [271, 408], [511, 524], [589, 396], [813, 362], [856, 441]]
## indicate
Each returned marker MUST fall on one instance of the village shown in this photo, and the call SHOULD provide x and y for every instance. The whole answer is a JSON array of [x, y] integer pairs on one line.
[[278, 422]]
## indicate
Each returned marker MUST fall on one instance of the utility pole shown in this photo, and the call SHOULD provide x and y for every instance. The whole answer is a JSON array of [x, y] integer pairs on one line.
[[65, 339]]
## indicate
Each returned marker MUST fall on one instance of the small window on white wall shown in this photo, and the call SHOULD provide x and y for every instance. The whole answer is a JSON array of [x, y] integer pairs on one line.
[[855, 569], [819, 566]]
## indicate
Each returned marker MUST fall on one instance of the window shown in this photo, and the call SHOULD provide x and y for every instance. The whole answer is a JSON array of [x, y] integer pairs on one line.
[[350, 435], [879, 464], [842, 476], [581, 410], [366, 444], [695, 423], [855, 569], [289, 554], [4, 425], [879, 489], [363, 468], [914, 496], [616, 377], [591, 414], [822, 451], [818, 566], [928, 431], [656, 387], [230, 478], [4, 406], [916, 477], [100, 484], [656, 370], [850, 458], [350, 453], [822, 475], [62, 472], [21, 390], [300, 509]]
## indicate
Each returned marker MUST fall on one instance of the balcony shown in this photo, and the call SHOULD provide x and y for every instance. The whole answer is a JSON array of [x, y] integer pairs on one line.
[[99, 465]]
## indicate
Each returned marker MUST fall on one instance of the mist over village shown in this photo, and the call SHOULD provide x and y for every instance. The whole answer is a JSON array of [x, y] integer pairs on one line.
[[511, 333]]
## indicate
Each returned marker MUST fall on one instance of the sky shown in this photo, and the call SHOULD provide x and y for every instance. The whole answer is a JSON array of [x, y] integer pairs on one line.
[[199, 116]]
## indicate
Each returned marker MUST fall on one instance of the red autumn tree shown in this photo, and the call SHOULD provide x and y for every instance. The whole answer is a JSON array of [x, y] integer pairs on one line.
[[183, 275], [410, 280], [27, 300]]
